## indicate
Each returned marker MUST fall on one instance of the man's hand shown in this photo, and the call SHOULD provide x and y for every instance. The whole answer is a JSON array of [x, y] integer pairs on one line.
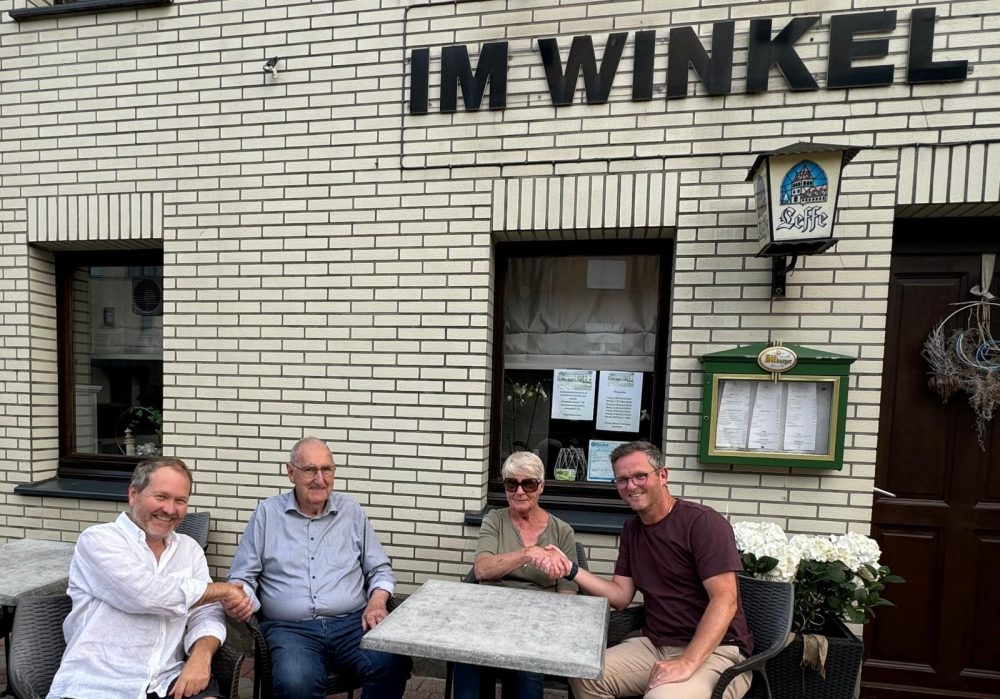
[[670, 671], [375, 611], [195, 674], [238, 604], [550, 560]]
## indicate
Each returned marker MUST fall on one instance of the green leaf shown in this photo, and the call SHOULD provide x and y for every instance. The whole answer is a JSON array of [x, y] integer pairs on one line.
[[765, 564]]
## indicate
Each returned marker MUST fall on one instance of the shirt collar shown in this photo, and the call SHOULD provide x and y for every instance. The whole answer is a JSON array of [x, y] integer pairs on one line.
[[292, 505]]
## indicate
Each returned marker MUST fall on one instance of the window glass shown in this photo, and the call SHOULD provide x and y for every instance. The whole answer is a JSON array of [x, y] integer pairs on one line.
[[580, 339], [117, 359]]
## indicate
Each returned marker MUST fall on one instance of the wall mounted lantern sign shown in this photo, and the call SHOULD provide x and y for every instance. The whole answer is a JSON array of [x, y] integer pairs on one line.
[[796, 190]]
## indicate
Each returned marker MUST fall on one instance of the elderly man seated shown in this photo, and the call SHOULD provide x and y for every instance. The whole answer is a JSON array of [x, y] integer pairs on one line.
[[315, 569]]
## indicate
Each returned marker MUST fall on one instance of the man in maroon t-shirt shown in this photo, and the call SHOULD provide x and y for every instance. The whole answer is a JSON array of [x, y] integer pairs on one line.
[[683, 558]]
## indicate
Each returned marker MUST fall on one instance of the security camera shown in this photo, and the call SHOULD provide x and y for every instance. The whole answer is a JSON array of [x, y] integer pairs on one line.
[[271, 66]]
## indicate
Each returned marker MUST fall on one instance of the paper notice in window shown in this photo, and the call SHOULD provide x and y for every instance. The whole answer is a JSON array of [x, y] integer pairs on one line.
[[619, 397], [800, 417], [765, 427], [599, 460], [733, 416], [573, 394]]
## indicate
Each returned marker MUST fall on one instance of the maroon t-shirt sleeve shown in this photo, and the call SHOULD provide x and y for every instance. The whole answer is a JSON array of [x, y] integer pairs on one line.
[[623, 565], [716, 553]]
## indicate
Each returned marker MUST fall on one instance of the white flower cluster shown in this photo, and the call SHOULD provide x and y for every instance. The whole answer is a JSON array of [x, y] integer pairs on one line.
[[768, 539]]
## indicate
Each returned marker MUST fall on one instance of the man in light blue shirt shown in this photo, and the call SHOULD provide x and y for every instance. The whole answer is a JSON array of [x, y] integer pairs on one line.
[[315, 570]]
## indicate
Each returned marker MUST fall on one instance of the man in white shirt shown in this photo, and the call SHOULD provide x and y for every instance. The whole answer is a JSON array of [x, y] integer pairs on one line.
[[146, 619]]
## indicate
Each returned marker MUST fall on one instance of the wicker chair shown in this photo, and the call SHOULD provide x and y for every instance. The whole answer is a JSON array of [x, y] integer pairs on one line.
[[196, 525], [6, 622], [37, 645], [768, 607], [263, 674]]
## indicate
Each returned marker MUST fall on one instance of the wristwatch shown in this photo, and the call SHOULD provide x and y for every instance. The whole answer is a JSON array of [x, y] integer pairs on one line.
[[572, 572]]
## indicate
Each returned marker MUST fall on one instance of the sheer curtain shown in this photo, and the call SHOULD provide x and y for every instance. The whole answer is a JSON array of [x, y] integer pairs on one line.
[[582, 312]]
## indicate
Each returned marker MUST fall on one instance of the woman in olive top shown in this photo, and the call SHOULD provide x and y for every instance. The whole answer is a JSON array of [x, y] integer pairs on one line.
[[511, 552]]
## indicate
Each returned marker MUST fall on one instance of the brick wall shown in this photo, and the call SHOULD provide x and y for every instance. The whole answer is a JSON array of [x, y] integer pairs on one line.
[[328, 255]]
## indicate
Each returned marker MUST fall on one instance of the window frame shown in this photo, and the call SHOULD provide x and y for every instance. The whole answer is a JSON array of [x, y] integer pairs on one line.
[[78, 7], [74, 464], [600, 496]]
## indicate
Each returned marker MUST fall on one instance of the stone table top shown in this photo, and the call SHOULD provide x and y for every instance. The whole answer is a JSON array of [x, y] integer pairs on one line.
[[501, 627], [30, 567]]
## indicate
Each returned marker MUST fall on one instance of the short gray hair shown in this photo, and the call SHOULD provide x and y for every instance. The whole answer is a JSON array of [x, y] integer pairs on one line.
[[656, 458], [144, 471], [523, 463], [293, 456]]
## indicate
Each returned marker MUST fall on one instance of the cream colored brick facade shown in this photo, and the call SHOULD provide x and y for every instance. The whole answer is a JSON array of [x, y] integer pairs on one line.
[[328, 256]]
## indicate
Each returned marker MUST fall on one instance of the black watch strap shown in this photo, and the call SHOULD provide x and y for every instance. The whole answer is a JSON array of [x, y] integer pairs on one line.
[[572, 572]]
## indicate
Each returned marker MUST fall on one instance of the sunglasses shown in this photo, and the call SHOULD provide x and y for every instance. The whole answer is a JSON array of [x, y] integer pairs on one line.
[[529, 485]]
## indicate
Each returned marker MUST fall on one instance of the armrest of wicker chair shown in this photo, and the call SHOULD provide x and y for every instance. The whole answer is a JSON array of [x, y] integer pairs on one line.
[[37, 644], [624, 623], [226, 666], [768, 607]]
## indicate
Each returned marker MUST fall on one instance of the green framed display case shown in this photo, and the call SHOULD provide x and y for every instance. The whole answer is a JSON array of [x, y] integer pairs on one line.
[[774, 405]]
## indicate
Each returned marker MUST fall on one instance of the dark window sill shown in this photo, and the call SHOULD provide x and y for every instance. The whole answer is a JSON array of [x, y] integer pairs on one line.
[[81, 488], [589, 521], [82, 7]]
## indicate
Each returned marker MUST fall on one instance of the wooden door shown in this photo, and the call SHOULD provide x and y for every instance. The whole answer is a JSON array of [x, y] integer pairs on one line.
[[942, 531]]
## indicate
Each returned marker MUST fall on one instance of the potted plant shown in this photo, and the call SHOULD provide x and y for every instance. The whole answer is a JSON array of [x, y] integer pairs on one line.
[[837, 579], [522, 403], [139, 420]]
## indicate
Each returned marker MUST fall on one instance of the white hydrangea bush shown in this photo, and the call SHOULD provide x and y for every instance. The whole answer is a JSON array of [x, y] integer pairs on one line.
[[835, 575]]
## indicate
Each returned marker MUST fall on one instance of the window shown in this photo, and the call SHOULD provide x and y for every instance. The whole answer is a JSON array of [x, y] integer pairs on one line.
[[580, 358], [110, 310]]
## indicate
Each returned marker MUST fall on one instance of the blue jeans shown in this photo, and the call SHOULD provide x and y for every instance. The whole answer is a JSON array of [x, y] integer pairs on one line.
[[474, 681], [302, 651]]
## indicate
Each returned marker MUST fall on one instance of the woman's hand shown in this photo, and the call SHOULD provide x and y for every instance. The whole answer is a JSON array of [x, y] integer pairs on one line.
[[550, 560]]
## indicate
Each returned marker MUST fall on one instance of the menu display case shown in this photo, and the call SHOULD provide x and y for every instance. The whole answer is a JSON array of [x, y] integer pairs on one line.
[[774, 405]]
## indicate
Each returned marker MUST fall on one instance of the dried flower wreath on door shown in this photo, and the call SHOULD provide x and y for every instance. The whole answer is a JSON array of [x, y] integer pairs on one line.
[[968, 358]]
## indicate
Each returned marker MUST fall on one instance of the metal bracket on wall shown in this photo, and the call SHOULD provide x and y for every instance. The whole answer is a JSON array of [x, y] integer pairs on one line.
[[780, 268]]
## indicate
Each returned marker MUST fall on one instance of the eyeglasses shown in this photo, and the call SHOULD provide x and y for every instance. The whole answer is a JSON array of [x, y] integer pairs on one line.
[[638, 478], [529, 485], [311, 471]]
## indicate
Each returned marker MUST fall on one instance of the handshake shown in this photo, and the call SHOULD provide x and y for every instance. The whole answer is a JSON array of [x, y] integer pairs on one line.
[[233, 598], [550, 560]]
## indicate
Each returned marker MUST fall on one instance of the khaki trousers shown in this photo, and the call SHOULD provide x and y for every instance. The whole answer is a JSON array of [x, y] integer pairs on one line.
[[627, 667]]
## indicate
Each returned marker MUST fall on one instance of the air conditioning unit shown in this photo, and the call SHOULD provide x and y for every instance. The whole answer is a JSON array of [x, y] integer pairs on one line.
[[147, 297]]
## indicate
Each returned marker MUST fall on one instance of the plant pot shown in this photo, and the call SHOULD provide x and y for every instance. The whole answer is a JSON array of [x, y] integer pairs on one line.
[[790, 680]]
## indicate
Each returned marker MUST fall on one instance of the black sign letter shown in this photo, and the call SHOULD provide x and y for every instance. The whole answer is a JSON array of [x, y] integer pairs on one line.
[[716, 73], [844, 49], [920, 67], [581, 55], [764, 53], [419, 70], [642, 66], [455, 68]]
